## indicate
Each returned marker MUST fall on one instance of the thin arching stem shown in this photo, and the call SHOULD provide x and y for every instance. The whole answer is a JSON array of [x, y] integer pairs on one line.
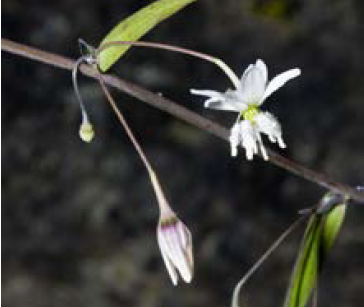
[[162, 202], [234, 79], [261, 260], [75, 87]]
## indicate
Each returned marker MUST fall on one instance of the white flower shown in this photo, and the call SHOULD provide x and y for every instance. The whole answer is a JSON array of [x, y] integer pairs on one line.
[[175, 243], [250, 93]]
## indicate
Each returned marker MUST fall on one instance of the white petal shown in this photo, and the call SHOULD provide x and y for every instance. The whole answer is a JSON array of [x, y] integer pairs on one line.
[[175, 242], [208, 93], [246, 71], [175, 252], [234, 139], [279, 81], [218, 101], [235, 133], [270, 126], [248, 139], [186, 267], [281, 142], [168, 263], [262, 148], [234, 98], [189, 255], [264, 152], [267, 123], [234, 150], [253, 85], [263, 68], [246, 128], [205, 93]]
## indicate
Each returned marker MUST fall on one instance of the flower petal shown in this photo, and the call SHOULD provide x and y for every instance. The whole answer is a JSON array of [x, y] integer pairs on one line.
[[262, 147], [186, 270], [175, 242], [270, 126], [234, 139], [267, 123], [246, 71], [168, 263], [248, 139], [217, 100], [205, 93], [234, 98], [263, 68], [253, 84], [279, 81]]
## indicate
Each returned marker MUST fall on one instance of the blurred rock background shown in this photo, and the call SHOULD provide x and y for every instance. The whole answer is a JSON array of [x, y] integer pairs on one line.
[[79, 220]]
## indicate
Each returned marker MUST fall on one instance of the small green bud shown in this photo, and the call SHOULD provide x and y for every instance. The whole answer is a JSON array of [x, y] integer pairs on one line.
[[86, 132]]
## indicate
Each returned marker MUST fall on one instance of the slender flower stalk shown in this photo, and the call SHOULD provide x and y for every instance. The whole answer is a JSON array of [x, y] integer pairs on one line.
[[174, 238], [226, 69], [86, 131]]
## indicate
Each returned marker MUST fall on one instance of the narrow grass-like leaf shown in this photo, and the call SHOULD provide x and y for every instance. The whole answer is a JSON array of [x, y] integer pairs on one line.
[[331, 226], [135, 26], [304, 275], [319, 237]]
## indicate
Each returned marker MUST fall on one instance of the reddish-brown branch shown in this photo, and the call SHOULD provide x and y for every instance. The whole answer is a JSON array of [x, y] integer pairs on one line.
[[180, 112]]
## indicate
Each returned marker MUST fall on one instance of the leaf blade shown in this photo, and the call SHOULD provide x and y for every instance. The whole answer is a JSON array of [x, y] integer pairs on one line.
[[305, 270], [135, 26], [331, 227], [321, 232]]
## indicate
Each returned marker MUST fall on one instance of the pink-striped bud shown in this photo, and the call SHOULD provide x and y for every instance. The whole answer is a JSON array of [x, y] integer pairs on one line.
[[175, 243]]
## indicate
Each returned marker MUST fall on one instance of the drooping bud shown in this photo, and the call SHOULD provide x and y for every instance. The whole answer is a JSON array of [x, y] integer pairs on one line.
[[175, 243], [86, 131]]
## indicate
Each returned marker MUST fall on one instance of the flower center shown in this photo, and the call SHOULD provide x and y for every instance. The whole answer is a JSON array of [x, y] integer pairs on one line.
[[250, 113]]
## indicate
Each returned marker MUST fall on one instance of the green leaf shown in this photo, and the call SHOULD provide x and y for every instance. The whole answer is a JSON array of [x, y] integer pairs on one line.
[[331, 226], [135, 26], [321, 232], [304, 275]]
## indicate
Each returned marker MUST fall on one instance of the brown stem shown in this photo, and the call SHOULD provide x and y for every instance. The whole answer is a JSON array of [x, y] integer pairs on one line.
[[180, 112], [162, 202]]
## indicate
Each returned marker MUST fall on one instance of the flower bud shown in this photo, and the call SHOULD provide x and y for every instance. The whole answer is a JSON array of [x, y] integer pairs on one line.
[[86, 132], [175, 243]]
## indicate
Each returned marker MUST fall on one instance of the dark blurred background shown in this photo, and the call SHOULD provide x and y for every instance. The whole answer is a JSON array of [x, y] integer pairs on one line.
[[79, 220]]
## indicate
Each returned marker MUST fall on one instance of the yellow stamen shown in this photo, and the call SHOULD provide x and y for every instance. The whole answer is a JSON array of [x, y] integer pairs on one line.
[[250, 113]]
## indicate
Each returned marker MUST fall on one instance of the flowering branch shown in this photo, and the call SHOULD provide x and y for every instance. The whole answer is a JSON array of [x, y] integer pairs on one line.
[[174, 238], [180, 112]]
